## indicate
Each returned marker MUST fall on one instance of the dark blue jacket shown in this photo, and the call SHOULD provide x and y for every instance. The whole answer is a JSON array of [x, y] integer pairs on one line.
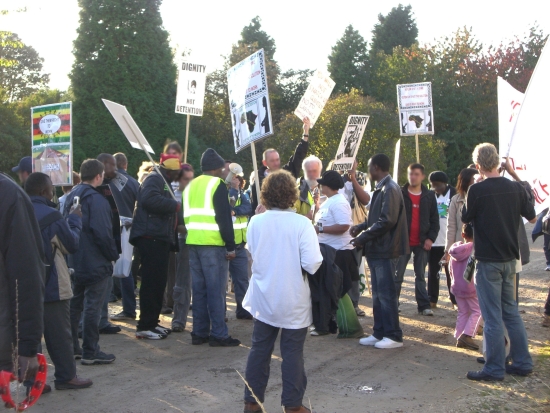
[[93, 260], [63, 237], [126, 198]]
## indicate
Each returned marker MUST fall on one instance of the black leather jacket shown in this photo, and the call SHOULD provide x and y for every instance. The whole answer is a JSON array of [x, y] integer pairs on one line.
[[155, 213], [385, 233]]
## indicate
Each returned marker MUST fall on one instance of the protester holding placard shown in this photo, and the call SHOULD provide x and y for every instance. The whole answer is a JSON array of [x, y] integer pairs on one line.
[[272, 162]]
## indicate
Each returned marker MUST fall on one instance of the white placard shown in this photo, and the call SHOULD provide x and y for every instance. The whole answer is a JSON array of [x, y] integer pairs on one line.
[[191, 85], [128, 126], [396, 160], [312, 103], [415, 109], [350, 142], [249, 101]]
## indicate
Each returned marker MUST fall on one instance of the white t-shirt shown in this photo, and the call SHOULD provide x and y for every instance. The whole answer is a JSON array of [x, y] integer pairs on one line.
[[281, 243], [443, 202], [335, 211]]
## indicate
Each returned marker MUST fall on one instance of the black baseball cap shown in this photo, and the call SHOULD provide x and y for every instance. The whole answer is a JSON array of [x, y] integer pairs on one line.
[[25, 165], [332, 179]]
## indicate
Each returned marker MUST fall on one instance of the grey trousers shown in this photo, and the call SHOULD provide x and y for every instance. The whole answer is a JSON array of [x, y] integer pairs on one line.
[[182, 288], [59, 339], [292, 367]]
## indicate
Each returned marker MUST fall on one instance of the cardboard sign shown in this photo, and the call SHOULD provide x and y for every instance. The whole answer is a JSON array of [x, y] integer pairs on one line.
[[415, 106], [191, 85], [52, 151], [350, 142], [249, 101], [312, 103]]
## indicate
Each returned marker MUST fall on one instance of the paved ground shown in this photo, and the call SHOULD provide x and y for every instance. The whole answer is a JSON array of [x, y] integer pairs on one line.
[[426, 375]]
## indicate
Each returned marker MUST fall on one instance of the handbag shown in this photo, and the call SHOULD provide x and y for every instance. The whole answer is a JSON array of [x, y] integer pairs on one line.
[[470, 269]]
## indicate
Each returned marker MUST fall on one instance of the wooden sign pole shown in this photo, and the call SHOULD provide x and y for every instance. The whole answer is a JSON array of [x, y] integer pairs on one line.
[[256, 176], [186, 138], [417, 149]]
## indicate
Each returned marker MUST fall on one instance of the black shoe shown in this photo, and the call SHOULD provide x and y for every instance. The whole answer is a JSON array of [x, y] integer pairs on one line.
[[163, 330], [99, 358], [198, 340], [482, 376], [80, 334], [246, 317], [78, 355], [517, 372], [166, 310], [480, 360], [110, 330], [226, 342]]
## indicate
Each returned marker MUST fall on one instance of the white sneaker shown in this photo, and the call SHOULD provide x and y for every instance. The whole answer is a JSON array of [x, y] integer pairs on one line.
[[388, 343], [150, 334], [547, 268], [368, 341], [427, 312]]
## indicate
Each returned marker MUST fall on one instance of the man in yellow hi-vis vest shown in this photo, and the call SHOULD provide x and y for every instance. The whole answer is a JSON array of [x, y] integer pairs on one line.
[[241, 209], [211, 241]]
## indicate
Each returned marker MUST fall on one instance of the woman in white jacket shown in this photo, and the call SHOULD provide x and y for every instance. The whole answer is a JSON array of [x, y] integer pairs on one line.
[[283, 245]]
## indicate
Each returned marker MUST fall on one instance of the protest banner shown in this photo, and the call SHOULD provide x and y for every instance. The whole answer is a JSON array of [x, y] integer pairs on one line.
[[51, 147], [249, 101], [190, 94], [529, 140], [350, 142], [312, 103], [132, 132]]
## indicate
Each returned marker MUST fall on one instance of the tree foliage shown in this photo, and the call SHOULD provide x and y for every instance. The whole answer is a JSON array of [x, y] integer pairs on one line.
[[348, 62], [397, 28]]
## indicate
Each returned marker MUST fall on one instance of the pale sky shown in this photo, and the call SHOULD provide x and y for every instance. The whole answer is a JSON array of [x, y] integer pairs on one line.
[[304, 30]]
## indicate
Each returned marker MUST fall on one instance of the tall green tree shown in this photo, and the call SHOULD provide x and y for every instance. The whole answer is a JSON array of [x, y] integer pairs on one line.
[[397, 28], [20, 68], [122, 54], [348, 62]]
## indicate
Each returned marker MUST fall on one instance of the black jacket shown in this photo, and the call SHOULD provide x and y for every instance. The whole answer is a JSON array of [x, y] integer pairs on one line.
[[294, 166], [385, 232], [155, 213], [429, 215], [22, 273], [92, 262], [326, 290], [126, 198]]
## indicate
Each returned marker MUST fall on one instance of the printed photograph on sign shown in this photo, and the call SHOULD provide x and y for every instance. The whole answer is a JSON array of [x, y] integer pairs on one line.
[[417, 121], [249, 101], [350, 142], [191, 86], [54, 161]]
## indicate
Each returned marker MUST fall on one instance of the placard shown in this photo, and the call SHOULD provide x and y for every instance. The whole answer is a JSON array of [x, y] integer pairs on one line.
[[52, 151], [249, 101], [350, 142], [415, 106], [191, 86], [312, 103]]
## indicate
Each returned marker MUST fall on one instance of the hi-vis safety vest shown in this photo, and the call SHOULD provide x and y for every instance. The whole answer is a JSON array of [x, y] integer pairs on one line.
[[240, 224], [198, 211]]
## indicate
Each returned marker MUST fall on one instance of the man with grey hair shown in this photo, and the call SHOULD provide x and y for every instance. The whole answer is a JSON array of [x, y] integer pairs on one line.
[[308, 201], [493, 207]]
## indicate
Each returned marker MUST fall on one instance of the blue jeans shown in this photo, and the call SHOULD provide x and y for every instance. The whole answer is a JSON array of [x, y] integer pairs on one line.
[[384, 300], [182, 288], [104, 320], [209, 269], [292, 367], [128, 296], [87, 301], [495, 290], [420, 260], [238, 268]]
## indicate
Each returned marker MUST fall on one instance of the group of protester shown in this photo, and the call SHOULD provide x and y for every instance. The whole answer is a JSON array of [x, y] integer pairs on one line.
[[304, 234]]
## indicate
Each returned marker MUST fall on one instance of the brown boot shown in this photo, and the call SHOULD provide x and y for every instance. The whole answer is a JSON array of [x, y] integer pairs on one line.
[[252, 407], [300, 409], [546, 321], [74, 384], [468, 342]]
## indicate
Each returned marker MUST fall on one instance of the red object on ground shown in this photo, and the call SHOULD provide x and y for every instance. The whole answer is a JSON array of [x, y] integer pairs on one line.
[[6, 377]]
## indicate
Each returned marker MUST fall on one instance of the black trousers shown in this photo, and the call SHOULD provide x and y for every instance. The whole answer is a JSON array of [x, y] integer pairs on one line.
[[154, 272], [436, 255], [59, 339]]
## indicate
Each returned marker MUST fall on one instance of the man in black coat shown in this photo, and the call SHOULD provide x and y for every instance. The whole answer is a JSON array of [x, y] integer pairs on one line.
[[385, 238], [92, 262], [154, 234], [22, 273], [423, 225]]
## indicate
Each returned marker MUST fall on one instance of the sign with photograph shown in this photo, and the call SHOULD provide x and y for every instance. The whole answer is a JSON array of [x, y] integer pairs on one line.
[[249, 101], [415, 106], [52, 151], [312, 103], [191, 86], [350, 142]]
